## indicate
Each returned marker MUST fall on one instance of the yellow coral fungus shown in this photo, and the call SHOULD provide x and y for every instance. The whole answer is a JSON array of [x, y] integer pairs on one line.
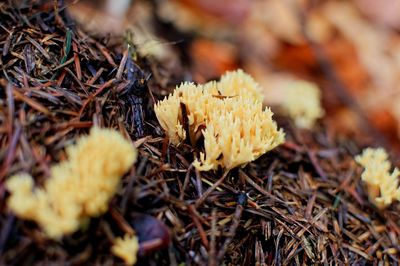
[[302, 103], [239, 83], [229, 115], [383, 187], [170, 118], [235, 136], [126, 248], [78, 188]]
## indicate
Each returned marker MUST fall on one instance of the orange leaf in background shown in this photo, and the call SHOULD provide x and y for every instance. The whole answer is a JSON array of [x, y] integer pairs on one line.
[[301, 60], [347, 64], [386, 123], [232, 12], [211, 59], [298, 59]]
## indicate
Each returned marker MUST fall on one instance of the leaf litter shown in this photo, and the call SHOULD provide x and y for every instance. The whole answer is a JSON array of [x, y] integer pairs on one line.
[[302, 203]]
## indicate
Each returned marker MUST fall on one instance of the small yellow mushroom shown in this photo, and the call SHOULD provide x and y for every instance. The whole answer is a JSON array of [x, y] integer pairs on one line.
[[126, 248], [383, 186], [228, 114], [78, 188], [302, 102]]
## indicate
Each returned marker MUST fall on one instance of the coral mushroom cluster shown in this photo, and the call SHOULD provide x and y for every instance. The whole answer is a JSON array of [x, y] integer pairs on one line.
[[228, 114], [78, 188], [383, 186]]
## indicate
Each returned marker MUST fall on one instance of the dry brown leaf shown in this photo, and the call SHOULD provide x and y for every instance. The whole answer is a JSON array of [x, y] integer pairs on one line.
[[211, 59]]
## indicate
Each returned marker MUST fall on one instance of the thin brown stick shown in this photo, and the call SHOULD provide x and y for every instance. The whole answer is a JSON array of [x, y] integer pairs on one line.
[[200, 200]]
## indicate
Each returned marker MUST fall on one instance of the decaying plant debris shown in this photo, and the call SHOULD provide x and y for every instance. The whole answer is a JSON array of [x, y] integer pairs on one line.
[[301, 203]]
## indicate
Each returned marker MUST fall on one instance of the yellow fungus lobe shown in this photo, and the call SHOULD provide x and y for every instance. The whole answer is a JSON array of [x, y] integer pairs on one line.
[[302, 102], [228, 114], [383, 186], [126, 248], [78, 188]]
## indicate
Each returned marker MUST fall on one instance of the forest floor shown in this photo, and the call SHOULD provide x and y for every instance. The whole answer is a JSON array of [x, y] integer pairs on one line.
[[301, 203]]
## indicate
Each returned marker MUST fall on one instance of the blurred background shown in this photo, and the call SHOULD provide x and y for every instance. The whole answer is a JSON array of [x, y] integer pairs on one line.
[[350, 49]]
